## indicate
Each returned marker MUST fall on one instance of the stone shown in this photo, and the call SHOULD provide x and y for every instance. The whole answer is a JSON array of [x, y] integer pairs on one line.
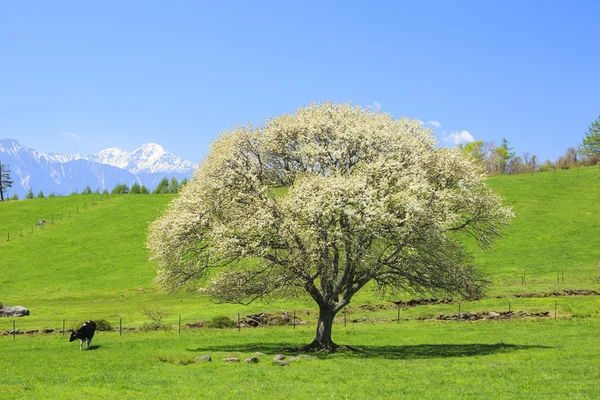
[[13, 311], [231, 359], [205, 358], [258, 353], [283, 363], [251, 360], [279, 357]]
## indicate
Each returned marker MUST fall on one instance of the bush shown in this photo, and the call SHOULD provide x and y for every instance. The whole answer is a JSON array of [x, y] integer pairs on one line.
[[221, 322], [101, 325]]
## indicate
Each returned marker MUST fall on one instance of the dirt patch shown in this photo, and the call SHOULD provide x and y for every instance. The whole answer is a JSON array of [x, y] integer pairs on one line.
[[421, 302], [492, 315], [576, 292]]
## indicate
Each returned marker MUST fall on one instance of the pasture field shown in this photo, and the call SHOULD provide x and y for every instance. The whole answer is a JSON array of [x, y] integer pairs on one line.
[[89, 261], [443, 360]]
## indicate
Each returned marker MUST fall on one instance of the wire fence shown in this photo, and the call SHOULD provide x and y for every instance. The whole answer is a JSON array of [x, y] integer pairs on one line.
[[458, 312], [40, 221]]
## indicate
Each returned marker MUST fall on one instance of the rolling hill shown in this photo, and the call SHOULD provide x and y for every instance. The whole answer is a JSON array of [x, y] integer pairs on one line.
[[91, 252]]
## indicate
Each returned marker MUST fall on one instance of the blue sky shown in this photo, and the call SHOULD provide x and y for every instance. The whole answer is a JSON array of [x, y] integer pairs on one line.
[[78, 77]]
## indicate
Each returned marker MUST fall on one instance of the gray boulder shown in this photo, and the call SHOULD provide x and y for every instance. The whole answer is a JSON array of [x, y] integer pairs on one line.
[[205, 358], [251, 360], [13, 311]]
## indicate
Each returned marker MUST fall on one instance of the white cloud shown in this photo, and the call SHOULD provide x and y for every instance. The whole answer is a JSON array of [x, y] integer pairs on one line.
[[375, 106], [459, 137], [435, 124], [69, 134]]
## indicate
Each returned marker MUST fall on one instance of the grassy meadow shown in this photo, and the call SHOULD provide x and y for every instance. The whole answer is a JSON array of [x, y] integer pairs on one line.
[[89, 261]]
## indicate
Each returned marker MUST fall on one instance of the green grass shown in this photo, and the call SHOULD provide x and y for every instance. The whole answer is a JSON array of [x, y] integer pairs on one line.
[[93, 264], [555, 231], [446, 360]]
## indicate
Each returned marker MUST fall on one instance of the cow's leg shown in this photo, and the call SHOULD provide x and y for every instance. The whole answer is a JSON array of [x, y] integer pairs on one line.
[[80, 344], [89, 341]]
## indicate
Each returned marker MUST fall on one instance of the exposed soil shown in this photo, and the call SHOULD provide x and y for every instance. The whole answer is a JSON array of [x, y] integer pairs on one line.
[[492, 315]]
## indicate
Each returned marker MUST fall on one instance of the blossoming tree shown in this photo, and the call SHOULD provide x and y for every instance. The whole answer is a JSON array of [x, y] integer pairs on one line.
[[325, 201]]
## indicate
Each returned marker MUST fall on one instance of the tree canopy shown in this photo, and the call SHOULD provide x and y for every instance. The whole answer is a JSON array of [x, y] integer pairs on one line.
[[325, 201], [591, 142]]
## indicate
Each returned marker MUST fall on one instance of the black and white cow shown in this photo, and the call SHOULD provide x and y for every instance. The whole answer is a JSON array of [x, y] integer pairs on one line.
[[84, 334]]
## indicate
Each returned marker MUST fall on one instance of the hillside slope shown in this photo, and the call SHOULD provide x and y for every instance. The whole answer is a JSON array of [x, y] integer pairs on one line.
[[99, 252], [556, 231]]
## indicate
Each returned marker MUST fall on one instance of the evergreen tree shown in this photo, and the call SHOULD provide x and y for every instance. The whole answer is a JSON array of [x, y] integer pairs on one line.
[[591, 142], [41, 195], [135, 188], [29, 194], [163, 187], [173, 185], [5, 181], [121, 188]]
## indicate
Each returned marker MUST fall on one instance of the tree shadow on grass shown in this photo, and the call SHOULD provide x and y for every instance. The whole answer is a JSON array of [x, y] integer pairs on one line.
[[408, 352]]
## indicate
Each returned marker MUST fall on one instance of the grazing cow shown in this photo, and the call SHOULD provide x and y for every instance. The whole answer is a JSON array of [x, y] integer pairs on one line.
[[84, 334]]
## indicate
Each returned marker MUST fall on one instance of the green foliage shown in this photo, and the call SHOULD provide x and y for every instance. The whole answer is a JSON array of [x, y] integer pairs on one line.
[[162, 187], [473, 150], [52, 194], [87, 190], [136, 188], [591, 142], [221, 322], [14, 197], [40, 195], [169, 186], [29, 194], [102, 325], [105, 192], [121, 188]]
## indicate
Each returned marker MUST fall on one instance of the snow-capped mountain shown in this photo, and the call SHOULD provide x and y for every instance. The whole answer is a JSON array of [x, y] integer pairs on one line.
[[150, 158], [67, 173]]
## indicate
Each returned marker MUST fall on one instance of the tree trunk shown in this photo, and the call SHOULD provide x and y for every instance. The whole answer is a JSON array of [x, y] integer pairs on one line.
[[323, 337]]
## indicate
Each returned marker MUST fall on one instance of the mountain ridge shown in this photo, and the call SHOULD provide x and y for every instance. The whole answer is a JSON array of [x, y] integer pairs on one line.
[[66, 173]]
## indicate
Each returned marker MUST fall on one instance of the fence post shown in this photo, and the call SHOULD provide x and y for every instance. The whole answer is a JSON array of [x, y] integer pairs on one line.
[[14, 329], [179, 329], [239, 326], [398, 313], [121, 326], [554, 309], [294, 319], [458, 315], [63, 331], [344, 317], [563, 277], [8, 240], [21, 232]]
